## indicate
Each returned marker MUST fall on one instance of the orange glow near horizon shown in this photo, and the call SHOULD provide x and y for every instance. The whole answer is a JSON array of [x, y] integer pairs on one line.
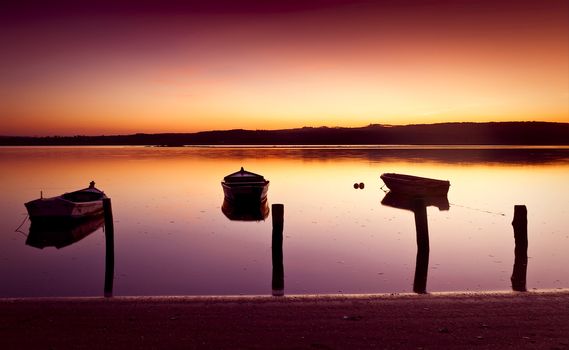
[[340, 66]]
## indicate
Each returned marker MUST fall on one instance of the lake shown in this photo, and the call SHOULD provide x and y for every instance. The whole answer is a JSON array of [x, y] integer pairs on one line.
[[172, 238]]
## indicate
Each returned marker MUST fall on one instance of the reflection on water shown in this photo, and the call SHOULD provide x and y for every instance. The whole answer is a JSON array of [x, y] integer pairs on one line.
[[277, 250], [521, 249], [109, 248], [434, 153], [422, 261], [245, 211], [60, 233], [404, 202], [418, 205], [173, 239]]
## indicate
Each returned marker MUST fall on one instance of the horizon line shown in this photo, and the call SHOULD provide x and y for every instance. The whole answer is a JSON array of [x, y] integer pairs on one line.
[[281, 129]]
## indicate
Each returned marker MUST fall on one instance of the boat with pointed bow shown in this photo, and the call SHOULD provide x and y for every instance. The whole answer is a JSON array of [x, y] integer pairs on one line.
[[245, 187], [73, 205], [415, 185]]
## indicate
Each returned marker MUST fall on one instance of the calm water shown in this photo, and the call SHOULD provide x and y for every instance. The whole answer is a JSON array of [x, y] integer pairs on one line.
[[171, 237]]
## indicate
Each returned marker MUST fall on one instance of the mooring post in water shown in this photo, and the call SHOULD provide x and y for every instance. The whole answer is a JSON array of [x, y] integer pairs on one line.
[[520, 224], [422, 261], [277, 249], [110, 247]]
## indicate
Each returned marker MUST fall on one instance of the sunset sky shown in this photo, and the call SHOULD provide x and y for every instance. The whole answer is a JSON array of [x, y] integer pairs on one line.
[[108, 67]]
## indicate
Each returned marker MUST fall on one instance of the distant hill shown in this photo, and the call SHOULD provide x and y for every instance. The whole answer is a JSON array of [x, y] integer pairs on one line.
[[497, 133]]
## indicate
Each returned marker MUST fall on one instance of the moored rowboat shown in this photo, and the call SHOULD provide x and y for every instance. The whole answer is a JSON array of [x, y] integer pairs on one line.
[[415, 185], [73, 205], [245, 186]]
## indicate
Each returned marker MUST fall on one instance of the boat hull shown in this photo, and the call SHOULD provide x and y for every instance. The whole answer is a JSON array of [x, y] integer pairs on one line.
[[245, 192], [58, 207], [415, 185]]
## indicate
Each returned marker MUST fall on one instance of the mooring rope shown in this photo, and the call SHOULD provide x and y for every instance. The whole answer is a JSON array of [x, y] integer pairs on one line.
[[22, 224], [477, 209], [458, 205]]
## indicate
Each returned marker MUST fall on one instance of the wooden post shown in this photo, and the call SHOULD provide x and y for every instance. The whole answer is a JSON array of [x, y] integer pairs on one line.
[[277, 249], [109, 247], [520, 224], [422, 261]]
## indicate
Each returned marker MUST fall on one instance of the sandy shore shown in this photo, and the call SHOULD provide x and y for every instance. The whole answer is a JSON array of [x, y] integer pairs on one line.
[[471, 320]]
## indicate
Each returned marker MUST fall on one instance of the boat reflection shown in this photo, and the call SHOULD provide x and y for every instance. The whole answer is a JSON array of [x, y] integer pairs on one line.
[[245, 211], [418, 205], [405, 202], [61, 233]]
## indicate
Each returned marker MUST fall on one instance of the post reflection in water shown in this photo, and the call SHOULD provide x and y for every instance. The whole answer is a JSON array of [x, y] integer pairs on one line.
[[277, 250], [521, 249], [63, 232], [418, 205], [166, 225], [257, 211], [109, 248], [422, 261]]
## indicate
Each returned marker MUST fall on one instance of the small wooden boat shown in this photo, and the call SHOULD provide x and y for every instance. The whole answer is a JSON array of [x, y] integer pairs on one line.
[[73, 205], [415, 185], [245, 187]]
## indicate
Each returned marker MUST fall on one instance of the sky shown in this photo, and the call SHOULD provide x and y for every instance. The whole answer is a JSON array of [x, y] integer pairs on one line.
[[122, 67]]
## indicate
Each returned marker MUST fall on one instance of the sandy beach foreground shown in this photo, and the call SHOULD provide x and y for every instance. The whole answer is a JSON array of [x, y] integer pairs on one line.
[[458, 320]]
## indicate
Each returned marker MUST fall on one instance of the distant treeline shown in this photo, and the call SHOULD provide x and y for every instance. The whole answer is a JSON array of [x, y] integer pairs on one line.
[[497, 133]]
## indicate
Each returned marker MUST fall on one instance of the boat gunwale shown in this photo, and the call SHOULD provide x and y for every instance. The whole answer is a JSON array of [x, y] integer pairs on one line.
[[238, 176], [243, 184], [61, 207], [404, 178], [415, 185]]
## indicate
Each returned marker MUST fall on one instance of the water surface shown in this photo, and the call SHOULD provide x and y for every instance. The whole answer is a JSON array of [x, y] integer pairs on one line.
[[171, 237]]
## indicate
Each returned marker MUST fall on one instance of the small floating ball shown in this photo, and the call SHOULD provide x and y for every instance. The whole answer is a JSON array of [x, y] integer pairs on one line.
[[362, 185], [356, 186]]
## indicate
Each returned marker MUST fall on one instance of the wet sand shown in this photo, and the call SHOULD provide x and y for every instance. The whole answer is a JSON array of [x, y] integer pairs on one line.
[[532, 320]]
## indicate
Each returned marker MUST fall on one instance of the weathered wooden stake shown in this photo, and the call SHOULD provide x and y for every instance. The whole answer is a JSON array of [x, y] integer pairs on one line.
[[422, 261], [520, 224], [277, 249], [110, 247]]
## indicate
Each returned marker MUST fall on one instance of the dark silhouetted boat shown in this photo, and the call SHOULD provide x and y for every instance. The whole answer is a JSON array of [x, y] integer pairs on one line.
[[248, 211], [245, 187], [73, 205], [61, 233], [415, 185]]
